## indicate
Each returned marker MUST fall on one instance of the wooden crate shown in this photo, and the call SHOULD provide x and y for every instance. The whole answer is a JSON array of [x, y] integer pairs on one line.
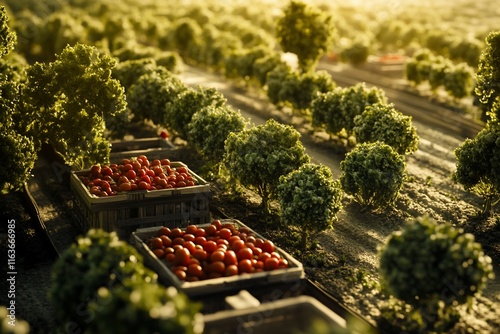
[[291, 275], [128, 211], [289, 315], [153, 148]]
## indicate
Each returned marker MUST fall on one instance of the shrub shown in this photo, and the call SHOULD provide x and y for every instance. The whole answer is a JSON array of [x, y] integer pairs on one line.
[[149, 95], [336, 109], [373, 173], [309, 198], [258, 156], [97, 260], [210, 127], [144, 308], [180, 111], [434, 268], [382, 122], [478, 165]]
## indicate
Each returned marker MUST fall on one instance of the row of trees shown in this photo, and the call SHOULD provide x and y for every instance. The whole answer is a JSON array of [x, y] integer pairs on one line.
[[439, 72]]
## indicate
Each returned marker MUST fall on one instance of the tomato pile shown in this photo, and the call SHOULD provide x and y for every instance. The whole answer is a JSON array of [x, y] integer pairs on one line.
[[136, 174], [218, 250]]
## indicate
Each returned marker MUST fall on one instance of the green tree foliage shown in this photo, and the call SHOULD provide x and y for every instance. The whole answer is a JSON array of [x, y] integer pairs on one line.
[[240, 63], [69, 100], [7, 37], [305, 31], [16, 147], [210, 127], [296, 89], [335, 110], [382, 122], [129, 71], [258, 156], [459, 82], [180, 111], [478, 165], [434, 268], [186, 38], [487, 76], [97, 260], [373, 173], [356, 53], [309, 198], [144, 308], [149, 96]]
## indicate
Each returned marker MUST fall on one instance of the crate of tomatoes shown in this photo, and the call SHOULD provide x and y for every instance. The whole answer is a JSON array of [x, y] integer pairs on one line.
[[223, 256], [139, 193], [152, 147]]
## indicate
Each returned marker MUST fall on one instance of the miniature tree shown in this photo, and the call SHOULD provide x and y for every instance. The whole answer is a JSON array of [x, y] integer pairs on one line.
[[210, 127], [99, 259], [306, 31], [478, 165], [434, 267], [144, 308], [69, 101], [310, 199], [487, 86], [149, 96], [373, 173], [179, 112], [335, 110], [258, 156], [382, 122], [16, 146]]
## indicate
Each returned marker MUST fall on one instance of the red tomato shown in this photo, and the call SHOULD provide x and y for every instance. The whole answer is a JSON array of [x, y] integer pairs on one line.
[[271, 263], [225, 233], [156, 162], [230, 258], [182, 169], [144, 185], [125, 186], [191, 229], [245, 266], [244, 254], [164, 231], [188, 236], [230, 227], [189, 183], [165, 162], [178, 241], [170, 257], [200, 254], [283, 263], [231, 270], [190, 246], [200, 232], [182, 257], [131, 174], [216, 267], [218, 255], [264, 256], [155, 243], [237, 245], [267, 246], [167, 242], [180, 274], [176, 232], [200, 241], [217, 224], [164, 134], [210, 230], [160, 253], [210, 246], [195, 270]]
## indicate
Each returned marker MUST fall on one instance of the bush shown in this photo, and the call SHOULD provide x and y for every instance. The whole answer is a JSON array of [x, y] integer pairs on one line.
[[373, 173], [434, 268], [336, 109], [210, 127], [258, 156], [382, 122], [149, 95], [97, 260], [478, 165], [309, 198], [180, 111], [144, 308]]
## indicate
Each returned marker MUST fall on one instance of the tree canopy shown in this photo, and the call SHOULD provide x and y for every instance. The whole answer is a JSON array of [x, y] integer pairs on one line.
[[306, 31]]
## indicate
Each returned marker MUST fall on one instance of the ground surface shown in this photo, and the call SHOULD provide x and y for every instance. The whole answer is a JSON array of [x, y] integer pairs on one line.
[[345, 259]]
